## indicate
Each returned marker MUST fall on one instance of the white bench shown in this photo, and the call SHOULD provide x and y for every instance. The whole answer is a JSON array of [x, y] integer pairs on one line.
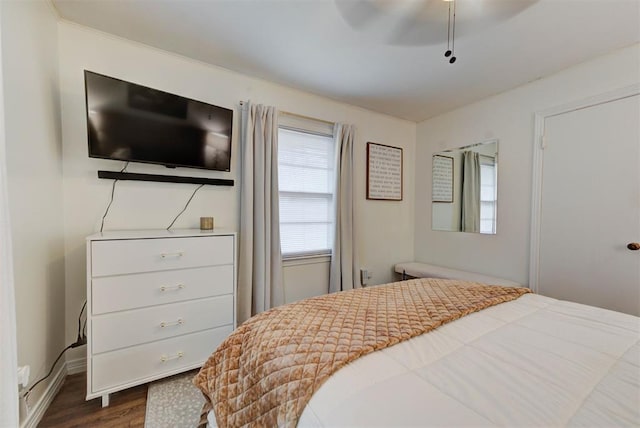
[[424, 270]]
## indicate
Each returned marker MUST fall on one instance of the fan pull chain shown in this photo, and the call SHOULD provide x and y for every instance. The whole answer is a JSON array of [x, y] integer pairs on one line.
[[451, 34], [448, 52]]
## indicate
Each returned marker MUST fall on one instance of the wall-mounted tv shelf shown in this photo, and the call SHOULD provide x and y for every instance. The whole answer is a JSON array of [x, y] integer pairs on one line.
[[115, 175]]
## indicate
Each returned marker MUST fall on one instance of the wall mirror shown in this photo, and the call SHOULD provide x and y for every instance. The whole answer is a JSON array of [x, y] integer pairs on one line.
[[464, 193]]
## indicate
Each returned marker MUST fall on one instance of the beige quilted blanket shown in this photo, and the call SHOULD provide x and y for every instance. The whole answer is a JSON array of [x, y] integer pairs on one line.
[[265, 372]]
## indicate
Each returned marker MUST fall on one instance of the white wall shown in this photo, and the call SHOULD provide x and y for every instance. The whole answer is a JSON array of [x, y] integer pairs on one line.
[[34, 173], [509, 117], [388, 225], [305, 278]]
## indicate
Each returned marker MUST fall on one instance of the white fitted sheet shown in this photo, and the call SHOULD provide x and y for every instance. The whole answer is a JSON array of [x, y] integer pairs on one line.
[[534, 361]]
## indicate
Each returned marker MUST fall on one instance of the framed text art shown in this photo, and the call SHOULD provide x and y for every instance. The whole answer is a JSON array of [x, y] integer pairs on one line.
[[442, 186], [384, 172]]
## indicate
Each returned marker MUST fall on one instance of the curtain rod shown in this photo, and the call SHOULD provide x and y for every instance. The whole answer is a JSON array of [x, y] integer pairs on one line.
[[494, 140], [287, 113]]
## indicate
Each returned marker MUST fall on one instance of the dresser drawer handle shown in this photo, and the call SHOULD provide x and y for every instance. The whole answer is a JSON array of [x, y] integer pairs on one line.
[[176, 254], [172, 287], [179, 321], [164, 358]]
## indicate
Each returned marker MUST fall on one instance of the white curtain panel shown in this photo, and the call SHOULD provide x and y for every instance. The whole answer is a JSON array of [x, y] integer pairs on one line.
[[8, 353], [344, 267], [470, 221], [260, 285]]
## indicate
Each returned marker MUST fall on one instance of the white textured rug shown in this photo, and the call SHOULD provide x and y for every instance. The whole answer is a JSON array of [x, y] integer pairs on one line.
[[173, 402]]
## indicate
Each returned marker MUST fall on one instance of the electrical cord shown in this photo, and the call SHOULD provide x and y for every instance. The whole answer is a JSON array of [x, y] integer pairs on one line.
[[50, 371], [113, 189], [185, 207], [81, 340], [84, 305]]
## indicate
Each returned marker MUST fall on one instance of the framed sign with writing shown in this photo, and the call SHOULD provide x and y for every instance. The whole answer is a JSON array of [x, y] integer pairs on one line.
[[442, 186], [384, 172]]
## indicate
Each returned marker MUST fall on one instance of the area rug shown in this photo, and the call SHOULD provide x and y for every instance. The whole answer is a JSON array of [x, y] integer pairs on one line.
[[173, 402]]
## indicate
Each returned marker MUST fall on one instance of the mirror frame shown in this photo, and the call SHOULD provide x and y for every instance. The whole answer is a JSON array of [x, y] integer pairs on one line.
[[455, 185]]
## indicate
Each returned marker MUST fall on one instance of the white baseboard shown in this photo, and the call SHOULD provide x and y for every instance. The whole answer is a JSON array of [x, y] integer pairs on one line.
[[37, 410], [76, 366]]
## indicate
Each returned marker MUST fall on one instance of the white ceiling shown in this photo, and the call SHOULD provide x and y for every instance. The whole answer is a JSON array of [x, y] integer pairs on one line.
[[383, 55]]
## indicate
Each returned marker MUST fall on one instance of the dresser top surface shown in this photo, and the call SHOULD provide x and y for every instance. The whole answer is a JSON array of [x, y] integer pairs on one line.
[[157, 233]]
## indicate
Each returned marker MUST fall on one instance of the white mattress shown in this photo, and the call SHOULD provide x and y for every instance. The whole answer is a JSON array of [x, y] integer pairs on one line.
[[534, 361]]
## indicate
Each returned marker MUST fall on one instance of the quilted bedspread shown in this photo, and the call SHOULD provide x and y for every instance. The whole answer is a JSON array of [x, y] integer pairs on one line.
[[266, 371]]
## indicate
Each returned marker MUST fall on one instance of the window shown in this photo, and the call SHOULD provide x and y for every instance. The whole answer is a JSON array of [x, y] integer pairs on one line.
[[488, 194], [305, 182]]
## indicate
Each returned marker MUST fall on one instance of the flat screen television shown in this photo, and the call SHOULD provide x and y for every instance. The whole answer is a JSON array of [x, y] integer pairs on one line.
[[134, 123]]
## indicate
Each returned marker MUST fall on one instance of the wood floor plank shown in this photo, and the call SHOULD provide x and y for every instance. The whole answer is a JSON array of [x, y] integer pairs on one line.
[[70, 409]]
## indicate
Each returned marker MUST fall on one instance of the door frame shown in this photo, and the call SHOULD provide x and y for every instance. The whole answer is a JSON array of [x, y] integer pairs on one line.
[[539, 144]]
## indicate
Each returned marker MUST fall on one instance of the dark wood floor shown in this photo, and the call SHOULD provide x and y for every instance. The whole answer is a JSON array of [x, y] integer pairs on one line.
[[70, 409]]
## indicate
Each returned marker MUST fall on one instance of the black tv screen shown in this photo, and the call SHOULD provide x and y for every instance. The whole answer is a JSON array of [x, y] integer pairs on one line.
[[130, 122]]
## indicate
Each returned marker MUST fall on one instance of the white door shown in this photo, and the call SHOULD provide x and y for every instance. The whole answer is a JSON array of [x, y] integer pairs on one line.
[[590, 206]]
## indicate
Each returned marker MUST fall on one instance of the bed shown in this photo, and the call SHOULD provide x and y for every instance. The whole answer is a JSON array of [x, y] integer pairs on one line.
[[514, 359]]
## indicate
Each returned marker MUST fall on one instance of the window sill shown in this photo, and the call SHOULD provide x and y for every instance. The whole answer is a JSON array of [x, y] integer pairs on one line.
[[305, 260]]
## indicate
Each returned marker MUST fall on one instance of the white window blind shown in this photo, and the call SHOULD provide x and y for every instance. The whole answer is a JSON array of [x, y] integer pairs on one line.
[[488, 194], [305, 181]]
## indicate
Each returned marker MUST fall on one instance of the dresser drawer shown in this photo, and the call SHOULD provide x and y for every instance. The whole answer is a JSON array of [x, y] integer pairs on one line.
[[129, 365], [122, 292], [121, 329], [125, 256]]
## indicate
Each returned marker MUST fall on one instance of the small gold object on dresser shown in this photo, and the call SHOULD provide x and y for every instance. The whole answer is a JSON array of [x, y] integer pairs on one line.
[[206, 223]]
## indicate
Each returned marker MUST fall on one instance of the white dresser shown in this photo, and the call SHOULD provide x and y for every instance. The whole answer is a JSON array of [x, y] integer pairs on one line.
[[158, 303]]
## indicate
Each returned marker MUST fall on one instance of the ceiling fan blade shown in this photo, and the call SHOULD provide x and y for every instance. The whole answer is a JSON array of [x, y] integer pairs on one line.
[[423, 22]]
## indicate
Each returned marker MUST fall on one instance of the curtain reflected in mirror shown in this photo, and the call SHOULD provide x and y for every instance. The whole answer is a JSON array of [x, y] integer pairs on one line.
[[465, 188]]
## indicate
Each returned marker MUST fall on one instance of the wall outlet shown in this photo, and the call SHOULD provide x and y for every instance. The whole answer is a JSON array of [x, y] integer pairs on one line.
[[23, 375], [365, 276]]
